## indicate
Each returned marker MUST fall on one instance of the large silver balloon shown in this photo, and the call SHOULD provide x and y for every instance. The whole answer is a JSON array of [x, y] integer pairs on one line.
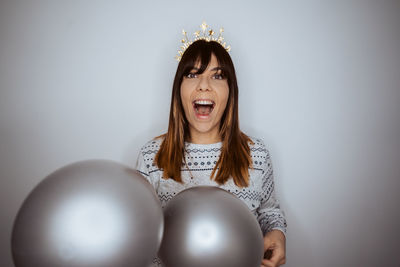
[[209, 227], [91, 213]]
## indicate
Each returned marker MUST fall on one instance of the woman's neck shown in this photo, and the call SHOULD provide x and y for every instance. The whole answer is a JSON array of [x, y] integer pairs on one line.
[[204, 138]]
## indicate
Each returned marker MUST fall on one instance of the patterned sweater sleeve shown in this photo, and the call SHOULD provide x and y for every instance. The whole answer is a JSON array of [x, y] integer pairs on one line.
[[269, 214], [143, 163]]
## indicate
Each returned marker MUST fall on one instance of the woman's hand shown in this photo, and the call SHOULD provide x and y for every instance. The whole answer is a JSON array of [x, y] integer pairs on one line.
[[275, 247]]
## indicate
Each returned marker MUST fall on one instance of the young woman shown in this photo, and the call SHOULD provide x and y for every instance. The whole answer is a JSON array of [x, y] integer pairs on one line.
[[204, 145]]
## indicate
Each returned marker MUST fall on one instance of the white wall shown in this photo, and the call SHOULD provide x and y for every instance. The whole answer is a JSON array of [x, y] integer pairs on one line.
[[319, 82]]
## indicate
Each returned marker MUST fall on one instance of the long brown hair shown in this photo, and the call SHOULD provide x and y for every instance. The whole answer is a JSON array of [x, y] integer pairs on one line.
[[234, 160]]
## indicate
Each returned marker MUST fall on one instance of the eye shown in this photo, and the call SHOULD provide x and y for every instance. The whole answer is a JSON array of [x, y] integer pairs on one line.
[[218, 76], [191, 75]]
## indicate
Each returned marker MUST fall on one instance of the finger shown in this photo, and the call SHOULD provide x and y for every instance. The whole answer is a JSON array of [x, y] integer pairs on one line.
[[268, 263], [278, 259], [278, 255]]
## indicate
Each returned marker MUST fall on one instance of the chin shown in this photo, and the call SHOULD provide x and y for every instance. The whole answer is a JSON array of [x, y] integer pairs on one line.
[[203, 130]]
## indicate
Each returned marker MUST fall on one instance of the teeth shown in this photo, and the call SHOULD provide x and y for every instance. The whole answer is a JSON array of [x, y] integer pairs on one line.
[[203, 102]]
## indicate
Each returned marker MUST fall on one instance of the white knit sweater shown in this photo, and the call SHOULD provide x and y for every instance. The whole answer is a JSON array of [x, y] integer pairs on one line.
[[201, 159]]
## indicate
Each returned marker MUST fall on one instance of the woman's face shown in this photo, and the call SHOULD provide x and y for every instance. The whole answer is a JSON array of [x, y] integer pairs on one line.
[[204, 97]]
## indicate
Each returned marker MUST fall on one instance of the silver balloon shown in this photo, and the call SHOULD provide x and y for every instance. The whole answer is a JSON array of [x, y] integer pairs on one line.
[[91, 213], [209, 227]]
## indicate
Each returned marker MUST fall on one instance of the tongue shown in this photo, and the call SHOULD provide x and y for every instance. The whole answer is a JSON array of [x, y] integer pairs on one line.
[[203, 109]]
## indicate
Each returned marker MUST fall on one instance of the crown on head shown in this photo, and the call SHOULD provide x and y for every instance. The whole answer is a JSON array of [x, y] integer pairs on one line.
[[206, 33]]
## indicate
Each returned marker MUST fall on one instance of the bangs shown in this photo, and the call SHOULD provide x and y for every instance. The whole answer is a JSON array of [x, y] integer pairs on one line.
[[198, 55]]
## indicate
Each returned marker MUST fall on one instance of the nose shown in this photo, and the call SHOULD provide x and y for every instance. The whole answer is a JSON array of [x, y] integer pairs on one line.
[[204, 84]]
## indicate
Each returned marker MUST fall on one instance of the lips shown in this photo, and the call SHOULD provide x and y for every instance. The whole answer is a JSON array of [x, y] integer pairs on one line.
[[203, 107]]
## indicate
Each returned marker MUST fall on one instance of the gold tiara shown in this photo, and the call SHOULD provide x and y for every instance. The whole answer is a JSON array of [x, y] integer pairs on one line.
[[206, 33]]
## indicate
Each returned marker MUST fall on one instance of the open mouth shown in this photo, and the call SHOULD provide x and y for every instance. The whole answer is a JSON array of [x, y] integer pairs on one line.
[[203, 107]]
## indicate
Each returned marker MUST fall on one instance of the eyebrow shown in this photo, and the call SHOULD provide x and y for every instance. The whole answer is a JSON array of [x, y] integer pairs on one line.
[[213, 69]]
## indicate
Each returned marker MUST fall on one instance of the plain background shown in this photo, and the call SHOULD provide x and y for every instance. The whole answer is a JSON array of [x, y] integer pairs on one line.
[[319, 82]]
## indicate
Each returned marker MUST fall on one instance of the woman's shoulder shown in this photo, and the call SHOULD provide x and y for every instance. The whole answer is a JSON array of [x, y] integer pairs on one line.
[[259, 154], [150, 148], [257, 144]]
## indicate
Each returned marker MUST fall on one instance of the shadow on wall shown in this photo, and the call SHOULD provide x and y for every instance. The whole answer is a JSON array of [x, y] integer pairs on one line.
[[299, 248]]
